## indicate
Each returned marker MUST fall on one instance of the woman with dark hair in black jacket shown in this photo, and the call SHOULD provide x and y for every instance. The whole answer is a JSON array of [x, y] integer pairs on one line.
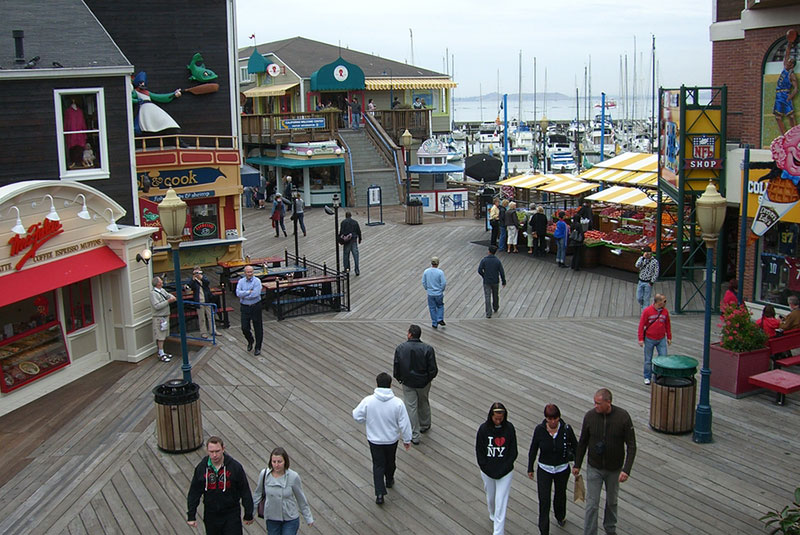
[[555, 442], [496, 450]]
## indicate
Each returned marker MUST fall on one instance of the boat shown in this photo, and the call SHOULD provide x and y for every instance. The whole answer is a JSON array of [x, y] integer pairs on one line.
[[563, 162], [490, 133]]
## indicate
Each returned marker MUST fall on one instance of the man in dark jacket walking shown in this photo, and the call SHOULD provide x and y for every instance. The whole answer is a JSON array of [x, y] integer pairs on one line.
[[349, 237], [491, 269], [608, 437], [415, 368], [222, 483]]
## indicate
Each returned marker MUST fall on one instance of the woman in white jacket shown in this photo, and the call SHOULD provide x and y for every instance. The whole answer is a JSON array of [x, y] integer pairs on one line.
[[284, 497]]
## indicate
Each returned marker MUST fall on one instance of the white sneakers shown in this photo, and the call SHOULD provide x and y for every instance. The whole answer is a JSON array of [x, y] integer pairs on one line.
[[647, 381]]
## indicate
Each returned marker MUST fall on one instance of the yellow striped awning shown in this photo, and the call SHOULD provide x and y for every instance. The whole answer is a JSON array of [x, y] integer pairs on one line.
[[269, 90], [515, 180], [623, 195], [387, 84], [631, 161], [568, 186], [627, 168]]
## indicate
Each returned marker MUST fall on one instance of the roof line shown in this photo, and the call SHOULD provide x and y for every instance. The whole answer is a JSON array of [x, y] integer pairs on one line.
[[78, 72]]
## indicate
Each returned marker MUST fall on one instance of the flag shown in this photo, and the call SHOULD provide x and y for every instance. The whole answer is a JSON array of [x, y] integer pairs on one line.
[[253, 36]]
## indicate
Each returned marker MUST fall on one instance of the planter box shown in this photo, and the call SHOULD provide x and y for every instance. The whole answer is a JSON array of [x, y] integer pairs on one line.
[[730, 371]]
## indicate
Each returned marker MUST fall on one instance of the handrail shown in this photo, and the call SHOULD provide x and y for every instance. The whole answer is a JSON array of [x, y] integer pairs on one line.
[[389, 146], [349, 161]]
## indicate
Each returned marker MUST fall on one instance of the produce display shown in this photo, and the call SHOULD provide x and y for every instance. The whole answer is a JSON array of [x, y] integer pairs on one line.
[[591, 237]]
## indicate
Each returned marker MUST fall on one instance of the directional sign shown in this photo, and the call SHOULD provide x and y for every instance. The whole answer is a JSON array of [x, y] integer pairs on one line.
[[315, 122]]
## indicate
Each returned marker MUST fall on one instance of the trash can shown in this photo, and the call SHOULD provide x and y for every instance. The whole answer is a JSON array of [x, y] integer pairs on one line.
[[673, 394], [485, 197], [414, 213], [179, 427]]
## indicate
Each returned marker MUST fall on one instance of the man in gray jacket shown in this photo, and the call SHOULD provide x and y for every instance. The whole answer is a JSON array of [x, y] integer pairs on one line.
[[415, 368]]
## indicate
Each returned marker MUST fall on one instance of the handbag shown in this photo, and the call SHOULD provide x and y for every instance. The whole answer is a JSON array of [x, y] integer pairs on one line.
[[580, 489], [263, 501]]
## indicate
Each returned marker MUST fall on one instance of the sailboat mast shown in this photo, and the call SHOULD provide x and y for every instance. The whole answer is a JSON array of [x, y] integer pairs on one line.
[[519, 106], [411, 36], [653, 95], [534, 88], [633, 109]]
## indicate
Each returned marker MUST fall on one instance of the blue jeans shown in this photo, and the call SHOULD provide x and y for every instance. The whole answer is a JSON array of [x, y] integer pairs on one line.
[[649, 346], [503, 238], [436, 306], [355, 121], [643, 292], [283, 527], [300, 221], [561, 254], [347, 248]]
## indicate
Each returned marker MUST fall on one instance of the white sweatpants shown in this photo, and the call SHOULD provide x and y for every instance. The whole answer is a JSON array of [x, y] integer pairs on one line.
[[497, 500]]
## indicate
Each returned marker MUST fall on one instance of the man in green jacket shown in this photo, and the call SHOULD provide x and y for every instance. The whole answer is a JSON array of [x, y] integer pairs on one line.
[[607, 435]]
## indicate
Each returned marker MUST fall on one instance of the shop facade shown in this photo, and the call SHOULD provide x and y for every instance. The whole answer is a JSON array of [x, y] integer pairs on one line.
[[208, 180], [73, 296]]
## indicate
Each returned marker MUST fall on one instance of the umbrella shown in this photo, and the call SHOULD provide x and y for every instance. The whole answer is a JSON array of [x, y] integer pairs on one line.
[[483, 166]]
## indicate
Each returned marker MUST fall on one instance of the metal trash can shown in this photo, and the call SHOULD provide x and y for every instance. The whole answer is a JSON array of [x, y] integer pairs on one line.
[[673, 394], [179, 426], [414, 214]]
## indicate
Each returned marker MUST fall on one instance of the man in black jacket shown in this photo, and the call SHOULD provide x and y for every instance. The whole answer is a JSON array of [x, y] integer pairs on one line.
[[349, 237], [491, 269], [221, 480], [539, 229], [608, 437], [415, 368]]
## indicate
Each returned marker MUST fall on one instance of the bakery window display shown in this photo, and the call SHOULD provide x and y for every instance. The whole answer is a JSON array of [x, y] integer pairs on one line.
[[31, 343]]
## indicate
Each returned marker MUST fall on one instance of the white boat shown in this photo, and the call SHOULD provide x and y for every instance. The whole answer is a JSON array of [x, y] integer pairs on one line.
[[490, 133], [563, 162]]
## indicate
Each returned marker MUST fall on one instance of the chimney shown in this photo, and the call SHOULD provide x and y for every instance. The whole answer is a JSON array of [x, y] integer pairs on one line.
[[18, 48]]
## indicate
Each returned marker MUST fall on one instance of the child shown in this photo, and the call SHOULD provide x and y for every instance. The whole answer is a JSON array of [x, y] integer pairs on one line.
[[768, 321]]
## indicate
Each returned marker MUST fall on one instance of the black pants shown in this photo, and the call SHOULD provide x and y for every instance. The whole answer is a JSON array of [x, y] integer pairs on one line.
[[252, 313], [383, 465], [576, 256], [544, 484], [223, 524], [495, 231], [539, 243]]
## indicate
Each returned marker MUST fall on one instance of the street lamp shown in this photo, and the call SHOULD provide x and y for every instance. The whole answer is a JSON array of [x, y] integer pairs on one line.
[[711, 207], [172, 212], [405, 140], [335, 213]]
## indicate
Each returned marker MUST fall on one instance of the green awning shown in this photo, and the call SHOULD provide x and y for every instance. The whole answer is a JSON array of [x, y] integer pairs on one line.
[[292, 163], [257, 63], [338, 76]]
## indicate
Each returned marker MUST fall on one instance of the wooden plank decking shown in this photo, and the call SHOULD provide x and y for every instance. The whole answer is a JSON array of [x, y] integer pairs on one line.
[[559, 336]]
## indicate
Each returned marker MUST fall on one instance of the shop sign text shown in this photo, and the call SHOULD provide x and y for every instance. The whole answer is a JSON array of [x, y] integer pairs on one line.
[[180, 178], [36, 236]]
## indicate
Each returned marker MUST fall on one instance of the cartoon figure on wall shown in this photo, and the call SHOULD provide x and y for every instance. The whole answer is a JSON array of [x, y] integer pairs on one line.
[[151, 118], [783, 183], [786, 87]]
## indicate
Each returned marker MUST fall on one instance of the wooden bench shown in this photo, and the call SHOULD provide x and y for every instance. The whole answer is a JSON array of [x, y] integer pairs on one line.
[[788, 361], [782, 344], [779, 381]]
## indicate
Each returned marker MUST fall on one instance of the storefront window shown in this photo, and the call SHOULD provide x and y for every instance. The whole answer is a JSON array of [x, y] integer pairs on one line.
[[81, 126], [779, 270], [31, 341], [205, 221], [324, 178], [78, 305]]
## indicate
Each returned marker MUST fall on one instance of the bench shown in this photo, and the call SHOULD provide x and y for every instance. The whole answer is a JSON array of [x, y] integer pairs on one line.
[[788, 361], [783, 344], [779, 381]]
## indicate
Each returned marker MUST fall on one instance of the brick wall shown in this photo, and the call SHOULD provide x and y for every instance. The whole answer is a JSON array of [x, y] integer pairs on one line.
[[738, 64]]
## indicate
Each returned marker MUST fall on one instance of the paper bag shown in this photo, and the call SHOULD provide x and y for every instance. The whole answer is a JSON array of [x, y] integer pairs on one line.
[[580, 489]]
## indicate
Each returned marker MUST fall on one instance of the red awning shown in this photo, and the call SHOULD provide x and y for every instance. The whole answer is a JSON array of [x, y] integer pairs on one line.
[[36, 280]]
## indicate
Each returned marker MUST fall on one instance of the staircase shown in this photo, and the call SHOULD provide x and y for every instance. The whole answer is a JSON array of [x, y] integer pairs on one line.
[[369, 167]]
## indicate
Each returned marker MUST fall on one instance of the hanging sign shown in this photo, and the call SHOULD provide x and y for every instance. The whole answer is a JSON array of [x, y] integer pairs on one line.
[[274, 69]]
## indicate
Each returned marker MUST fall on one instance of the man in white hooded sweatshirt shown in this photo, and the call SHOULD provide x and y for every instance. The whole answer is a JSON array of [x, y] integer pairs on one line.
[[386, 418]]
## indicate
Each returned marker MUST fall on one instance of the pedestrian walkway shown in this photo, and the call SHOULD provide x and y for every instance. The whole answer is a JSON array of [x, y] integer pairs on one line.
[[557, 338]]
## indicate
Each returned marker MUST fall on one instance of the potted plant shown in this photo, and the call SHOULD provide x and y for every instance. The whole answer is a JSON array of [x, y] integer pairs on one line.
[[741, 352], [786, 520]]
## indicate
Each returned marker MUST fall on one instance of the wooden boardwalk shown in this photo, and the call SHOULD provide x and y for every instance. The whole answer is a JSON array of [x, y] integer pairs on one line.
[[559, 336]]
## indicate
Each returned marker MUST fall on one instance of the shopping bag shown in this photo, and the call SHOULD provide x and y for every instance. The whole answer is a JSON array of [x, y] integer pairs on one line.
[[580, 489]]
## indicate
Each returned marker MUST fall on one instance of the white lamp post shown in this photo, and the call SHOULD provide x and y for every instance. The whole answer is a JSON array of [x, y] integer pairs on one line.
[[406, 140]]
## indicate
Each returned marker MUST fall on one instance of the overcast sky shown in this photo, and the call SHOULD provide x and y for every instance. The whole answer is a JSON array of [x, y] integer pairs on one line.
[[485, 36]]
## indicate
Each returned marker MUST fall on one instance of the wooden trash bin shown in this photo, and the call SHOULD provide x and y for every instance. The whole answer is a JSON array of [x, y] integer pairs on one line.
[[673, 394], [179, 425], [414, 214]]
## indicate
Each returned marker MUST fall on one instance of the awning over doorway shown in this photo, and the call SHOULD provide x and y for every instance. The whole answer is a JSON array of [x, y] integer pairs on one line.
[[387, 84], [292, 163], [58, 273], [338, 76], [269, 90]]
